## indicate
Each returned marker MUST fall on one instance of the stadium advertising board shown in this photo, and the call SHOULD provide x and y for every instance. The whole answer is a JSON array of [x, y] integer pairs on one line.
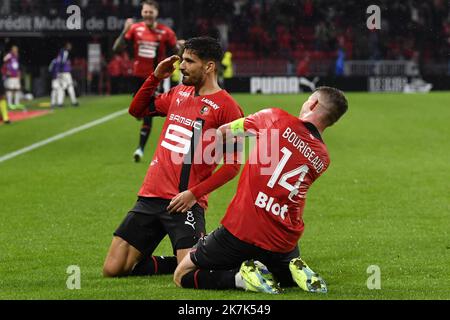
[[269, 85], [26, 24], [294, 85]]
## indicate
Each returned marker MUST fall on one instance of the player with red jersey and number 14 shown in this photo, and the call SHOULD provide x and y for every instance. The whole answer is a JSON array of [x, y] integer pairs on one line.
[[256, 248]]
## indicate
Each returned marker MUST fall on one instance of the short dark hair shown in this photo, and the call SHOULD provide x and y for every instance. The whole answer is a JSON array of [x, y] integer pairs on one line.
[[150, 3], [206, 48], [335, 103]]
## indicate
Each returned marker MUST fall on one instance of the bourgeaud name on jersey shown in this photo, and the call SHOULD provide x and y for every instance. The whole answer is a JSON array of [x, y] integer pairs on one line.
[[184, 120], [267, 203], [304, 148]]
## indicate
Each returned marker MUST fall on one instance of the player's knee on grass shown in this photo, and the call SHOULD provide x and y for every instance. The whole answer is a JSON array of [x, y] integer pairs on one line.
[[111, 269], [114, 267], [120, 259]]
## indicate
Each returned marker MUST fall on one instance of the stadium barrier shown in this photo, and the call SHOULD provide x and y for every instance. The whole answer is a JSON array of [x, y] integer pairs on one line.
[[293, 85], [380, 68]]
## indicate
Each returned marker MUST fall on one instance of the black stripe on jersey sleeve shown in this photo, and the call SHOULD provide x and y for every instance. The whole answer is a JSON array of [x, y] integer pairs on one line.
[[151, 105], [189, 157], [232, 147]]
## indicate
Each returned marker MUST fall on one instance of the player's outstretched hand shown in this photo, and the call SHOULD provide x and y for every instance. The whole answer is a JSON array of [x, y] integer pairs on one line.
[[128, 23], [165, 68], [182, 202]]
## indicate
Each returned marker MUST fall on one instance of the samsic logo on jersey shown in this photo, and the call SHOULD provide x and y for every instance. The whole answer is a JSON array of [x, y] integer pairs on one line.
[[204, 110], [186, 121]]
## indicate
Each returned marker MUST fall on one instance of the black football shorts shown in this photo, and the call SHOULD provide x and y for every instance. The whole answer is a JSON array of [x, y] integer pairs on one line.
[[149, 222], [221, 250]]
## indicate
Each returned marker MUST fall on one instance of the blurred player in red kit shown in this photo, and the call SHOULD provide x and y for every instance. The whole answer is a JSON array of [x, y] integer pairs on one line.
[[152, 42]]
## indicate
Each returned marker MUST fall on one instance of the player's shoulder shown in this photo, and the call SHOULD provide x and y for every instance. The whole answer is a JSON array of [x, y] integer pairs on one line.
[[184, 91], [227, 100], [226, 96], [275, 114], [164, 28], [138, 26], [164, 31]]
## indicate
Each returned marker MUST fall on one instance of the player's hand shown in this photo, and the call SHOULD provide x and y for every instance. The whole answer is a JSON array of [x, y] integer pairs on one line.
[[182, 202], [128, 24], [165, 68]]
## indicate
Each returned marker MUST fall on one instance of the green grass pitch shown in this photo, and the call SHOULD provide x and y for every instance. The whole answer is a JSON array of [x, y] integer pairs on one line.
[[384, 201]]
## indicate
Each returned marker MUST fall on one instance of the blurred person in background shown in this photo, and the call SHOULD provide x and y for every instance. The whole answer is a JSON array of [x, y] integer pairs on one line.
[[3, 108], [115, 73], [152, 42], [11, 76], [227, 68], [64, 68], [56, 91]]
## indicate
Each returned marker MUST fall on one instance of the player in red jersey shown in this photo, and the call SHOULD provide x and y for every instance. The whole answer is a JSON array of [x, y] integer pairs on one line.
[[263, 223], [152, 42], [174, 194]]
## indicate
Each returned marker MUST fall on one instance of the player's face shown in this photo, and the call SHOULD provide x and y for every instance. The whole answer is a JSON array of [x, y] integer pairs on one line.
[[149, 14], [192, 68], [15, 50]]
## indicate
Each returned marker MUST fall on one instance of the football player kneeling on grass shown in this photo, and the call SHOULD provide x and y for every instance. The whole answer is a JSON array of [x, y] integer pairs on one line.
[[256, 248], [174, 196]]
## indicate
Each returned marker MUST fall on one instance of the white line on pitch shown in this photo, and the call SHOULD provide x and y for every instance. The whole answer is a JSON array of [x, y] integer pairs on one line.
[[62, 135]]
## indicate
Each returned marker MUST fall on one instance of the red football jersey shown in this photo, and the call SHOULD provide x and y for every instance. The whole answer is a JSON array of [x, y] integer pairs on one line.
[[268, 206], [187, 118], [150, 45]]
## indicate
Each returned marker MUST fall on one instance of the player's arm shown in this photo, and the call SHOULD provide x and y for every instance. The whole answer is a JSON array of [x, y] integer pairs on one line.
[[230, 131], [120, 42], [186, 199], [230, 169], [143, 102]]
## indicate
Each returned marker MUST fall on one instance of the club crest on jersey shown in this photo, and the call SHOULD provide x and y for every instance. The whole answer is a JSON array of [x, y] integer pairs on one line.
[[204, 110]]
